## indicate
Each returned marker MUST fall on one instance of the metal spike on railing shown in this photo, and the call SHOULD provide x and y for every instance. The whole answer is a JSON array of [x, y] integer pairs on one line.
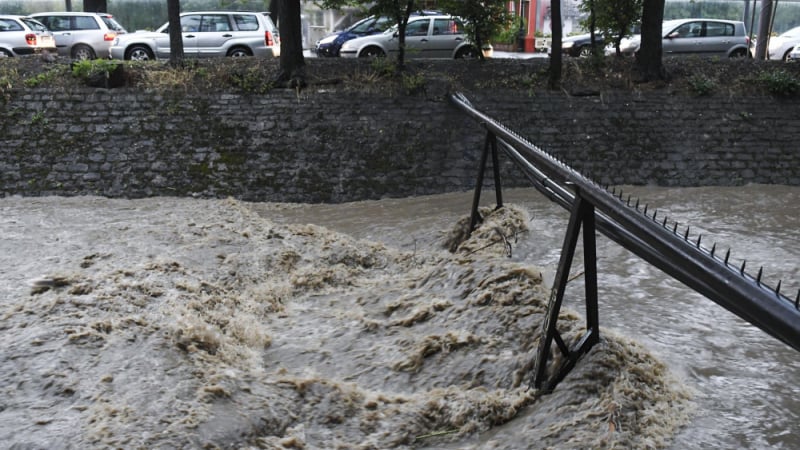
[[665, 222], [629, 200], [675, 228], [686, 236], [645, 209], [758, 277], [655, 211], [713, 249], [613, 190], [727, 255], [797, 300], [637, 204], [744, 263], [699, 237], [778, 288]]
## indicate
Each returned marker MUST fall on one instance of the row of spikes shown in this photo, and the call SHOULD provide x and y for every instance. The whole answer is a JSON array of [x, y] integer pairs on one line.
[[711, 252]]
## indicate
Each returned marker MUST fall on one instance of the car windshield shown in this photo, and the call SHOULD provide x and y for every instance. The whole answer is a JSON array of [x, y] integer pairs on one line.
[[34, 25], [668, 26], [371, 24]]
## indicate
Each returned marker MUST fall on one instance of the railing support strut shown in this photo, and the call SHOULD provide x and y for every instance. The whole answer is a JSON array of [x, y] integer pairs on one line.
[[489, 144], [582, 214]]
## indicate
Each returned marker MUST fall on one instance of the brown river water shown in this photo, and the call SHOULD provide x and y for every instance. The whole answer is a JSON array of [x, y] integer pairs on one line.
[[189, 323]]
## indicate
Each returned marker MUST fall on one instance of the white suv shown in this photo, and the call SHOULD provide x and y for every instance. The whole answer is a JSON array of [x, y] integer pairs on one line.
[[205, 34], [81, 35]]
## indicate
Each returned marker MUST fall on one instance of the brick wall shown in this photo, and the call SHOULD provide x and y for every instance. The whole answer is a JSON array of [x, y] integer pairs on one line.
[[326, 146]]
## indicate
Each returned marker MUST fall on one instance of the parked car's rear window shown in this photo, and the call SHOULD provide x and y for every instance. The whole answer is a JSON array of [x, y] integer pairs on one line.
[[215, 23], [9, 25], [112, 24], [246, 22], [719, 29], [34, 25], [447, 26], [85, 23]]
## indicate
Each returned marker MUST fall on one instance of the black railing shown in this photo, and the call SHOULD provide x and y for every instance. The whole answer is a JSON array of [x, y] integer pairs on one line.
[[634, 227]]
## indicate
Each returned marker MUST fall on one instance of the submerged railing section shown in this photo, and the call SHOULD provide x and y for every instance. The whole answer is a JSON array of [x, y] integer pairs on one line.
[[643, 232]]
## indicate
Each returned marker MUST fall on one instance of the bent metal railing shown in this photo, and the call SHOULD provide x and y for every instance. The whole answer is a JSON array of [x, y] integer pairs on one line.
[[595, 208]]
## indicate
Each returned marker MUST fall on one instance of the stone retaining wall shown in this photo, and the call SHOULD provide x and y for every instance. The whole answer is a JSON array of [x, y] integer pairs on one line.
[[329, 146]]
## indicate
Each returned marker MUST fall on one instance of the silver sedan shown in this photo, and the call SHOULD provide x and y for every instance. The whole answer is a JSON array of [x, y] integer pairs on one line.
[[440, 37]]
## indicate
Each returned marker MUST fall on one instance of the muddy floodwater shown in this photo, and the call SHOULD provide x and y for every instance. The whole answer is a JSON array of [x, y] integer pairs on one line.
[[188, 323]]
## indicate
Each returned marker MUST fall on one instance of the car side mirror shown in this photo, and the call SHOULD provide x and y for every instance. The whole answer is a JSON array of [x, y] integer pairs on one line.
[[673, 35]]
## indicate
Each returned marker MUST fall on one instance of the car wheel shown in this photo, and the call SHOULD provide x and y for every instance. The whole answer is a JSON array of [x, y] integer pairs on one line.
[[468, 52], [238, 52], [139, 53], [371, 52], [585, 51], [82, 52], [739, 53], [786, 55]]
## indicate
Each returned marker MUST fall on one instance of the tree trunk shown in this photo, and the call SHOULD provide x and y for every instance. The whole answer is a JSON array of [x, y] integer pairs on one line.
[[292, 62], [648, 58], [95, 6], [68, 5], [554, 81], [175, 33], [401, 29], [764, 25]]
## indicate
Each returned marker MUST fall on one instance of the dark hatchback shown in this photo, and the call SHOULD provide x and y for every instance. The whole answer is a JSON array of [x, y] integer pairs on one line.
[[331, 44], [581, 45]]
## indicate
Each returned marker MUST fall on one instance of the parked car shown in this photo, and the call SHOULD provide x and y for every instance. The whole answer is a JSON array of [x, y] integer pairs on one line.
[[780, 46], [81, 35], [439, 36], [22, 35], [205, 34], [331, 44], [581, 44], [628, 46], [794, 54], [704, 37]]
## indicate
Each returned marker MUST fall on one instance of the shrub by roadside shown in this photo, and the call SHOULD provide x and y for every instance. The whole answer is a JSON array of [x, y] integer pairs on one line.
[[584, 76]]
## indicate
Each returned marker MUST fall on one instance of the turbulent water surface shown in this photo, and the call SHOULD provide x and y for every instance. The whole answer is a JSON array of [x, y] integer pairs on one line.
[[185, 323]]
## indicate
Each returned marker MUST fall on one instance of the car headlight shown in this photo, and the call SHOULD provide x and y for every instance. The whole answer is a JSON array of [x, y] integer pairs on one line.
[[568, 44], [347, 46]]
